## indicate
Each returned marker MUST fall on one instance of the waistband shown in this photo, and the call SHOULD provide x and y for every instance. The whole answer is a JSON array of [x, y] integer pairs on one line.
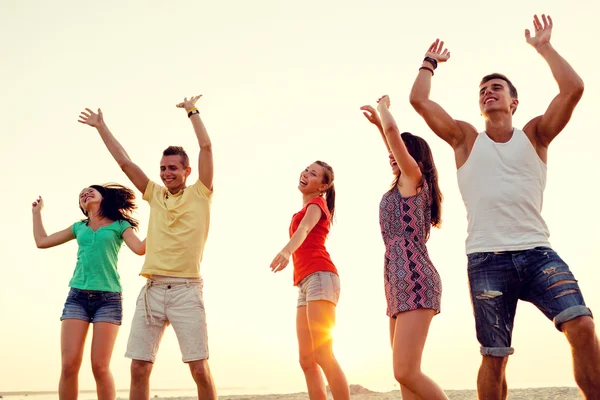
[[159, 280]]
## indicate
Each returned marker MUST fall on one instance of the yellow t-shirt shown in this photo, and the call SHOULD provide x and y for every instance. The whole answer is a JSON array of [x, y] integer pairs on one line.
[[177, 230]]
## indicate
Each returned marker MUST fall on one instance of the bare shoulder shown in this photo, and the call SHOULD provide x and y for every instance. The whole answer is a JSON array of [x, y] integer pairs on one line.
[[531, 131], [462, 149]]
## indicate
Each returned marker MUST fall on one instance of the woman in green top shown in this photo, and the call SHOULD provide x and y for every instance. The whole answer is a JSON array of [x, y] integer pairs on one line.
[[95, 294]]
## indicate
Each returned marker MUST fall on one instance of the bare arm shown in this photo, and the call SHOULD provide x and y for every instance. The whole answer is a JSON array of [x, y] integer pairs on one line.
[[133, 172], [440, 122], [205, 159], [570, 84], [370, 113], [407, 164], [133, 242], [42, 240], [312, 216]]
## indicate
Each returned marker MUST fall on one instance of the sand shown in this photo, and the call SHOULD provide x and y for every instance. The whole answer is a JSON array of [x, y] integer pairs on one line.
[[360, 393]]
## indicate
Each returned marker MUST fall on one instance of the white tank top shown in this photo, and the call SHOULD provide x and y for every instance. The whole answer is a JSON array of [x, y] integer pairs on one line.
[[502, 186]]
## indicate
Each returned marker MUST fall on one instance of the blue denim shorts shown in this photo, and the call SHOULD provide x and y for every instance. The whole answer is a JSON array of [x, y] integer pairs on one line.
[[93, 306], [499, 280]]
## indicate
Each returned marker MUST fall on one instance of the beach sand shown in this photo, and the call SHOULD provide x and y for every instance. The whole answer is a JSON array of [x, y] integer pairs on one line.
[[359, 393]]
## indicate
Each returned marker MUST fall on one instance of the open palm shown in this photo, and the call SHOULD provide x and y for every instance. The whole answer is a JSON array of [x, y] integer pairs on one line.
[[543, 31], [437, 51], [90, 118]]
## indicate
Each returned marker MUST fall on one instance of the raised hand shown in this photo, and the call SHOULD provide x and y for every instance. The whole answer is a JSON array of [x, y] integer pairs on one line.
[[437, 51], [188, 104], [90, 118], [543, 31], [384, 101], [370, 113], [37, 205]]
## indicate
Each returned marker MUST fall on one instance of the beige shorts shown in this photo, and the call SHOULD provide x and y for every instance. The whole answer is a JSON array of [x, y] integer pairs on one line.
[[163, 301], [322, 285]]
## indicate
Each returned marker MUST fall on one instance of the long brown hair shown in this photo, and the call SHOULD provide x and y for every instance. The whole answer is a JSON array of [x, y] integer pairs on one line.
[[330, 192], [419, 150], [118, 202]]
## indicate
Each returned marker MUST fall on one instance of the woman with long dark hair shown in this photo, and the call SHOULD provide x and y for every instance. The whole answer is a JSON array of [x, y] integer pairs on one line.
[[95, 294], [317, 280], [412, 285]]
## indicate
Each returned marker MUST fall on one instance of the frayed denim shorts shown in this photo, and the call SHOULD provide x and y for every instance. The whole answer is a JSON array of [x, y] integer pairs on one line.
[[498, 280]]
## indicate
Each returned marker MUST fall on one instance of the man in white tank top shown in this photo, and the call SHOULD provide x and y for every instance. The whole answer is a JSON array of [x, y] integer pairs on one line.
[[502, 176]]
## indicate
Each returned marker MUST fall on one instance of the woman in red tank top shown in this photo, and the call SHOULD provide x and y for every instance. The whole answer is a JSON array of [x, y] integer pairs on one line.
[[317, 280]]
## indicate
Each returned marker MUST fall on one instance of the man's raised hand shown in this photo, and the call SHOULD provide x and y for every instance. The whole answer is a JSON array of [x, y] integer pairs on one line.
[[543, 32], [90, 118], [188, 104], [437, 51]]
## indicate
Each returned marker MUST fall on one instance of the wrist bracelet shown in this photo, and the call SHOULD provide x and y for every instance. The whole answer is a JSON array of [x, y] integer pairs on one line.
[[432, 61], [428, 69], [192, 112]]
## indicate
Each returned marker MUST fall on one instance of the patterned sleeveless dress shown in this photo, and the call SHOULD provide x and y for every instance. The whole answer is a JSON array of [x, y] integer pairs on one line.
[[411, 280]]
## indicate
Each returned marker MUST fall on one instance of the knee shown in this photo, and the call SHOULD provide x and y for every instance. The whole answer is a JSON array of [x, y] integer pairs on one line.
[[323, 356], [70, 367], [307, 362], [140, 370], [580, 330], [201, 372], [100, 369], [405, 374]]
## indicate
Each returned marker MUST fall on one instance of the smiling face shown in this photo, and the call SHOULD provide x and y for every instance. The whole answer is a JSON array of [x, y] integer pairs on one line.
[[311, 180], [173, 173], [88, 198], [394, 164], [494, 95]]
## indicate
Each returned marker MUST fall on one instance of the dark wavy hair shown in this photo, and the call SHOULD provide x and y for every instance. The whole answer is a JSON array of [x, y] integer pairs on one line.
[[419, 150], [330, 192], [118, 202]]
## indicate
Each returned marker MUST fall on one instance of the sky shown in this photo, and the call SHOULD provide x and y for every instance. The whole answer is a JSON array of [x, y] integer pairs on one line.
[[282, 83]]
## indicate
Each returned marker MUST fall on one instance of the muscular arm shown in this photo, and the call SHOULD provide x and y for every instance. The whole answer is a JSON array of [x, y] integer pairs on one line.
[[441, 123], [133, 172], [205, 159], [546, 127], [570, 87]]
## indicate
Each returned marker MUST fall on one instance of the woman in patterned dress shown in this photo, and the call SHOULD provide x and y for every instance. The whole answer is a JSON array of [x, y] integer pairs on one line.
[[412, 285]]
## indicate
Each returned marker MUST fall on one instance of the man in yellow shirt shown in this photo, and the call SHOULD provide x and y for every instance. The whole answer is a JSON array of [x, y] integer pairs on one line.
[[177, 232]]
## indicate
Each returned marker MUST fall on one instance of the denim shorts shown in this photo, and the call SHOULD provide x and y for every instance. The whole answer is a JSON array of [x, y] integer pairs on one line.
[[93, 306], [321, 285], [499, 280]]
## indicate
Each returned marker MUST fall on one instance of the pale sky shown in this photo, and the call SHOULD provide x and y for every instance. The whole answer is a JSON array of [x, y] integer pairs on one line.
[[282, 83]]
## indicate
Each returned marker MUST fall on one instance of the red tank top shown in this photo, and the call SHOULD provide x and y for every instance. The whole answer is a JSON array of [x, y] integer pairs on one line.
[[312, 256]]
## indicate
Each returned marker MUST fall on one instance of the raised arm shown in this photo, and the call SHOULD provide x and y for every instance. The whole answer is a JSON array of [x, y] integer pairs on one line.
[[133, 172], [570, 85], [42, 240], [406, 163], [440, 122], [312, 216], [370, 113], [205, 159]]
